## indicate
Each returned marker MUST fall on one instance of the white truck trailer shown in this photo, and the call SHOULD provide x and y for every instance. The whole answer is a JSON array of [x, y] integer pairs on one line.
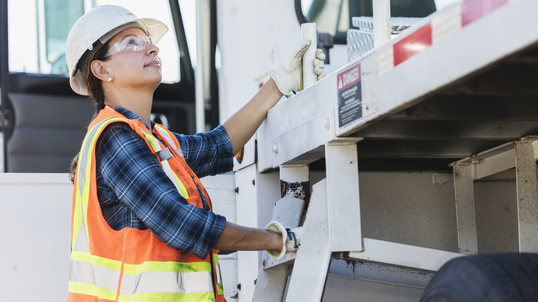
[[419, 151]]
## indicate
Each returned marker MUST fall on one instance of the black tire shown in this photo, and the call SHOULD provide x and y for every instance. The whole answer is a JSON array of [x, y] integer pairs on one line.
[[488, 278]]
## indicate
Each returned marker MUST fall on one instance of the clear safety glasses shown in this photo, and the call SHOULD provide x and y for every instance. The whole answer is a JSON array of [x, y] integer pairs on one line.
[[130, 43]]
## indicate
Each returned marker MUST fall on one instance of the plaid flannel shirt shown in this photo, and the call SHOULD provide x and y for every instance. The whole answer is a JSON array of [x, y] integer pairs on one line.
[[134, 191]]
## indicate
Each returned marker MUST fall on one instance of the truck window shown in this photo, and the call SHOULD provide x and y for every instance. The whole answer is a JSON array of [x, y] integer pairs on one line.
[[59, 16], [334, 16], [38, 30]]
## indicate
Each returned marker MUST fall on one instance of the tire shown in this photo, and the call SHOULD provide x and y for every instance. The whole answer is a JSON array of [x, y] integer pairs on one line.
[[487, 278]]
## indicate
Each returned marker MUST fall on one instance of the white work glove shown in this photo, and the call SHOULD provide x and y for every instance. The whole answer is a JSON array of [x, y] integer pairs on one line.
[[289, 77], [291, 239]]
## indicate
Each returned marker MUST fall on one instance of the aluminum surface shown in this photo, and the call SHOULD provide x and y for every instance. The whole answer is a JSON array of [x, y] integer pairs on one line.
[[308, 281], [491, 97], [355, 269], [402, 255], [359, 42], [308, 32], [273, 275], [344, 209], [397, 24], [527, 195], [465, 209], [491, 161], [247, 210], [362, 40], [381, 20]]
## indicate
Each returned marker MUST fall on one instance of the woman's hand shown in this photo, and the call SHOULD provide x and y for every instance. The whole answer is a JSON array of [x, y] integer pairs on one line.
[[289, 77], [243, 124]]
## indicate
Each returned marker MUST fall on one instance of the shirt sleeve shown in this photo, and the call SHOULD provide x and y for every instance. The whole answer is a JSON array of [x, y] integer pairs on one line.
[[130, 171], [208, 153]]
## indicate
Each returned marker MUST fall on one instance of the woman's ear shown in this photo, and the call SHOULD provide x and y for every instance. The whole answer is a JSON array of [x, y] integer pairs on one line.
[[99, 70]]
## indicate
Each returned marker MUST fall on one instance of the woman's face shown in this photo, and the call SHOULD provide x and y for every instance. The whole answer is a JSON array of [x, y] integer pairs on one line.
[[134, 68]]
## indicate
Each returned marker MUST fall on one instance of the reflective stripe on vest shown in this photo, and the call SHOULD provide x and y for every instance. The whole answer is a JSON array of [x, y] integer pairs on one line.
[[218, 275], [154, 143], [167, 137], [149, 280]]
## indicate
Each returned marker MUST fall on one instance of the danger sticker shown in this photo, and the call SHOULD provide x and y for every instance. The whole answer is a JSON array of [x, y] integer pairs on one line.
[[349, 95], [357, 92]]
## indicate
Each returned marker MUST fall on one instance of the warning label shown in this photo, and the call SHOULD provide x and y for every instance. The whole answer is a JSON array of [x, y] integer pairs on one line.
[[349, 95], [357, 93]]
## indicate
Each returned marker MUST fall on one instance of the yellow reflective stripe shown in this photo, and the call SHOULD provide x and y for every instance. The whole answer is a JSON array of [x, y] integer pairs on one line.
[[215, 258], [217, 273], [135, 269], [165, 297], [85, 189], [149, 139], [145, 282], [92, 290], [77, 220], [168, 136], [96, 260], [182, 188], [152, 141]]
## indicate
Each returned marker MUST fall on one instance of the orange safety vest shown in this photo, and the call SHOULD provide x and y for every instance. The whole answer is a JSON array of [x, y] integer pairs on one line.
[[132, 264]]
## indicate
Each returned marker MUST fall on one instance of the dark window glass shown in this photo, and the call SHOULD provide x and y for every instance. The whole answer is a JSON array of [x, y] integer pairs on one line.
[[334, 16]]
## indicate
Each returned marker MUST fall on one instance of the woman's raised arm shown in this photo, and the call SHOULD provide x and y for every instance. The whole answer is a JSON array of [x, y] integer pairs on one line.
[[244, 123]]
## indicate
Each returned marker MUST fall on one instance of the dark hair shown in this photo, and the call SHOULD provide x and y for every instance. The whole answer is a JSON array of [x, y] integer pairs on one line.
[[95, 85], [95, 89]]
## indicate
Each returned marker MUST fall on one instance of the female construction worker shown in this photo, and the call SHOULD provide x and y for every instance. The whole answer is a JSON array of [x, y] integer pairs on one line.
[[142, 225]]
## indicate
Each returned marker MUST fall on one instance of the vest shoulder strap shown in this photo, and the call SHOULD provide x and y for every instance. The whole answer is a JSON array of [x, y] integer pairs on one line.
[[169, 137]]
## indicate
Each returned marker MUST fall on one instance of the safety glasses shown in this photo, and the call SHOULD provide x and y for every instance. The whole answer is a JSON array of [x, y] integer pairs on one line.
[[130, 43]]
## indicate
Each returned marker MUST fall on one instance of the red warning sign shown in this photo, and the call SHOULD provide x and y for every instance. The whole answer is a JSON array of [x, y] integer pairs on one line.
[[349, 77]]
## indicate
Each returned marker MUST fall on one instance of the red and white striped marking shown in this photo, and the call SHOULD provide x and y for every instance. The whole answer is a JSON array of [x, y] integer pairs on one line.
[[444, 24]]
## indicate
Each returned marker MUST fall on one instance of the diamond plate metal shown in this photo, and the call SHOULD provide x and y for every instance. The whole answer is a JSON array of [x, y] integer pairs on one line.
[[361, 40], [358, 43]]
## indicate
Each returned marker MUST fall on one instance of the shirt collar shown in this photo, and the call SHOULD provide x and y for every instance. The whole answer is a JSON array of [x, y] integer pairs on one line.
[[132, 116]]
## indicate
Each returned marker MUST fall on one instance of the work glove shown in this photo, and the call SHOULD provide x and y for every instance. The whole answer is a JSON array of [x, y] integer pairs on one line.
[[291, 239], [289, 77]]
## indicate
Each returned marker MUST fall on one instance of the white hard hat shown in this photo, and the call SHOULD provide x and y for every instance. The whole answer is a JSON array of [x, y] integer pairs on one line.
[[102, 23]]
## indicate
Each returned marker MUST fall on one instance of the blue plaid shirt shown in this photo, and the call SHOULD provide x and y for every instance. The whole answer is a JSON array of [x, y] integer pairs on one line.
[[134, 191]]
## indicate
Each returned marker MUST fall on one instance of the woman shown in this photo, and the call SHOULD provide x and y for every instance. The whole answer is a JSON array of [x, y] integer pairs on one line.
[[142, 225]]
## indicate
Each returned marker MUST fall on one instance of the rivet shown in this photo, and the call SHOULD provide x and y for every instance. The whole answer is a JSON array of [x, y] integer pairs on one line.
[[275, 148], [327, 123]]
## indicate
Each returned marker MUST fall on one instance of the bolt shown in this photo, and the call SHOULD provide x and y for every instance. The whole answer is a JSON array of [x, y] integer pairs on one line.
[[327, 123], [236, 190], [275, 148], [253, 182], [239, 286]]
